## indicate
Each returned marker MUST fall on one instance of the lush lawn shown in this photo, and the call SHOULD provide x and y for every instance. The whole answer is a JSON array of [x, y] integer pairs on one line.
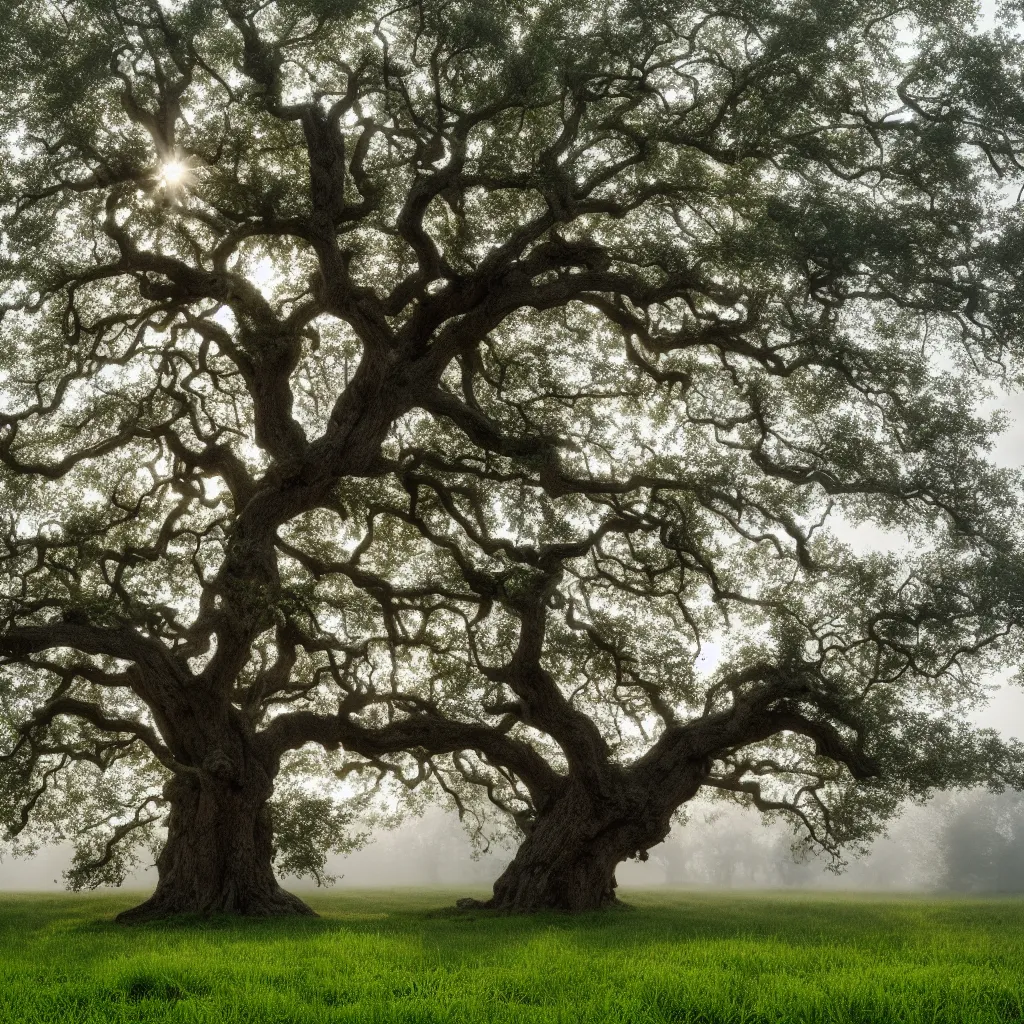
[[400, 956]]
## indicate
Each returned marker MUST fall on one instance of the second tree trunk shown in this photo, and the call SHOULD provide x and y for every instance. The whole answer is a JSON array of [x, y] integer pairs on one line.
[[568, 860]]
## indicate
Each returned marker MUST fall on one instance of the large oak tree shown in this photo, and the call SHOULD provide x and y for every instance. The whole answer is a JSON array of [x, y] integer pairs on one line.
[[434, 382]]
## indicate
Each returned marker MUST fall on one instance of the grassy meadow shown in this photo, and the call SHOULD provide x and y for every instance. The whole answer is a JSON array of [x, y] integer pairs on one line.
[[403, 956]]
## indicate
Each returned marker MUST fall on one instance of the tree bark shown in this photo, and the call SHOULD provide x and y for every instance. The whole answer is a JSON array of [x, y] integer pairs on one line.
[[218, 858], [567, 862]]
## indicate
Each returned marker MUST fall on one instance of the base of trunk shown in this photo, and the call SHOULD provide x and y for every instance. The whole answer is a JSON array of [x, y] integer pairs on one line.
[[162, 905], [534, 906], [575, 893]]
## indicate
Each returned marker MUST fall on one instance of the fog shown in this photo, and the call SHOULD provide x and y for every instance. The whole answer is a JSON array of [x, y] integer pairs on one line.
[[970, 842], [965, 842]]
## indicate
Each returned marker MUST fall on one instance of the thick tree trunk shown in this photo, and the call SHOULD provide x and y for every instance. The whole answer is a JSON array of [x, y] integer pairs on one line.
[[568, 860], [218, 858]]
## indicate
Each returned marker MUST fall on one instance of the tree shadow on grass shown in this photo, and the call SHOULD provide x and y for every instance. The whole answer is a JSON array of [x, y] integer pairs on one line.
[[799, 922]]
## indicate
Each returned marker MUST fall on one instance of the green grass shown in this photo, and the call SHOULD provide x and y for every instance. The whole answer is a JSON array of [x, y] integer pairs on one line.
[[401, 956]]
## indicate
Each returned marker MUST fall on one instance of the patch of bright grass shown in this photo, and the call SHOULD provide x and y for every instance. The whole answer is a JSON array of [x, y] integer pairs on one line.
[[402, 956]]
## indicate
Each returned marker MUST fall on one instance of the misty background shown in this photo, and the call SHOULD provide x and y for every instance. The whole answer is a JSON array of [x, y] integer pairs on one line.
[[958, 842]]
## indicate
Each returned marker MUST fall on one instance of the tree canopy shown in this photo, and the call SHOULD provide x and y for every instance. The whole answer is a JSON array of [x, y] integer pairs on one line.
[[427, 389]]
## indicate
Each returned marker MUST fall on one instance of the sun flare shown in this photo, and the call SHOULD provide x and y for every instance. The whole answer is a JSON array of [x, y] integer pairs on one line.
[[173, 173]]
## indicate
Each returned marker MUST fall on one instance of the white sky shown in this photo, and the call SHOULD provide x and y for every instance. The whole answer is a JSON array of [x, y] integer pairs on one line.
[[1006, 709]]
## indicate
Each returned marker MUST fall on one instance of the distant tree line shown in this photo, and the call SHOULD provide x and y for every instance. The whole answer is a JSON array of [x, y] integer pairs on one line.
[[983, 846], [969, 842]]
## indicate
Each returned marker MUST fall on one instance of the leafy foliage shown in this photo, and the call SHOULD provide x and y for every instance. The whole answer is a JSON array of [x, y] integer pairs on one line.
[[443, 382], [307, 829]]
